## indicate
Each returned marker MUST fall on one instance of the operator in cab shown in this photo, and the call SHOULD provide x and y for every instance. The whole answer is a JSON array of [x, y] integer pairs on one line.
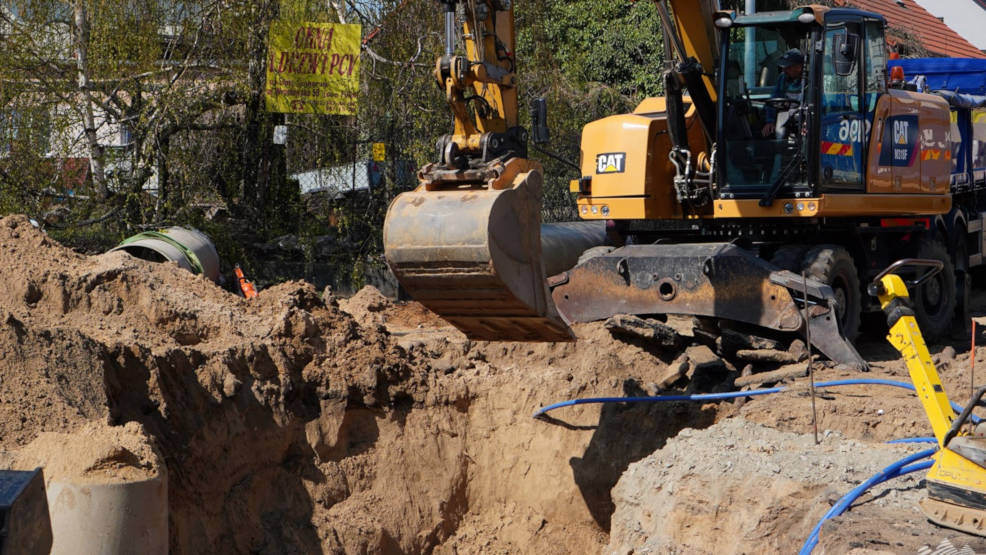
[[789, 85]]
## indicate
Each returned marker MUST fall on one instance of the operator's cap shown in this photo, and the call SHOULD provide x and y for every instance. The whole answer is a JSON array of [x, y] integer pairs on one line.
[[792, 57]]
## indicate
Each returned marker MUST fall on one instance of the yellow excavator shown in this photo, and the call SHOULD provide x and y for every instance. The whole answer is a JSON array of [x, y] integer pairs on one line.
[[710, 211]]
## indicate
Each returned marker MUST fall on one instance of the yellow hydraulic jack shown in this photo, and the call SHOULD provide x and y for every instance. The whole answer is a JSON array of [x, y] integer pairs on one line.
[[956, 483]]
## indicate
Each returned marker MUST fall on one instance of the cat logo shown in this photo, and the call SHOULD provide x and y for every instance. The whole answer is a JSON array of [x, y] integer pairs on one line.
[[900, 132], [611, 162]]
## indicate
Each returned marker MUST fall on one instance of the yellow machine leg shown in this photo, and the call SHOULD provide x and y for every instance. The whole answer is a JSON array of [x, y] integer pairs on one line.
[[956, 482]]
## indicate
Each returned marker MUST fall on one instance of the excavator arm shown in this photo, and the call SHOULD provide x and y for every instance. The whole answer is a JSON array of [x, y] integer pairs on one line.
[[485, 78], [466, 242]]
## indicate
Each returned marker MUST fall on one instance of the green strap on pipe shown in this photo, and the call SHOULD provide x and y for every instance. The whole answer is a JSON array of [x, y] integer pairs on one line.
[[192, 259]]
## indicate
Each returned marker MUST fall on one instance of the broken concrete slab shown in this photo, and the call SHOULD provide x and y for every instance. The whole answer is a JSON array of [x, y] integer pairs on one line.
[[644, 328], [702, 359], [781, 374], [675, 371], [767, 355], [734, 340]]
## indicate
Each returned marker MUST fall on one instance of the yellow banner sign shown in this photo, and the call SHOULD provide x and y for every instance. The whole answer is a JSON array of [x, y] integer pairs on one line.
[[313, 68], [379, 152]]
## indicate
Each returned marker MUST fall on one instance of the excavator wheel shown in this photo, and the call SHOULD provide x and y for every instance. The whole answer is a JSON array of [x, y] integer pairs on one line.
[[934, 302], [834, 266], [961, 322], [789, 257]]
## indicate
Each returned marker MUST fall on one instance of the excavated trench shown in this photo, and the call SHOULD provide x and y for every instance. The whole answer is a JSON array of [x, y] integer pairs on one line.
[[288, 425], [297, 423]]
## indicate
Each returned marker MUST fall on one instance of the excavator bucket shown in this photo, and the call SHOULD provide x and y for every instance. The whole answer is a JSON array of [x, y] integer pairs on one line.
[[473, 256]]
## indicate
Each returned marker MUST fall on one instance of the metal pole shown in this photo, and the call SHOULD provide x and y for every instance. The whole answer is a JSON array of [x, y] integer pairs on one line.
[[811, 368], [670, 32], [972, 361], [750, 49]]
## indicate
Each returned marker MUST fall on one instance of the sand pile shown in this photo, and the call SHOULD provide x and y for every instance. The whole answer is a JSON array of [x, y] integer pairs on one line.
[[284, 424], [95, 453], [289, 425]]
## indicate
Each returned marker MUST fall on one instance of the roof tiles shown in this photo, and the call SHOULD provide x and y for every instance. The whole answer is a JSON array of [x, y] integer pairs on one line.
[[933, 34]]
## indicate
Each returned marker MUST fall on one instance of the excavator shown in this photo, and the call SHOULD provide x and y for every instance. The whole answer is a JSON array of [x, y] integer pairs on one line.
[[709, 211]]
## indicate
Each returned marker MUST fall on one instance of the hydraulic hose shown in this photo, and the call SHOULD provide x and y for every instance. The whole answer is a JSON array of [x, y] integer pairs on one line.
[[699, 397], [899, 468]]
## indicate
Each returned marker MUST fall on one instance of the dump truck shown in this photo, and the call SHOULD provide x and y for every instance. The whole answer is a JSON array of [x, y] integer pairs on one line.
[[741, 194]]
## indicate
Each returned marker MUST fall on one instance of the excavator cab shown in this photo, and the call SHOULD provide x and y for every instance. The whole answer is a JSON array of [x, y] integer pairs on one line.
[[787, 135], [762, 108]]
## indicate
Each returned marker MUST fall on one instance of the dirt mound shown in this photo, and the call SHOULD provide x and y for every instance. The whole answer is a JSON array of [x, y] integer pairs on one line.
[[738, 487], [294, 423], [370, 307], [367, 306], [227, 389], [94, 453], [287, 426]]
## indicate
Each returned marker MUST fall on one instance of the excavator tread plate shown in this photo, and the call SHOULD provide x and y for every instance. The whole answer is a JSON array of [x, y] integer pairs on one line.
[[710, 279], [719, 280]]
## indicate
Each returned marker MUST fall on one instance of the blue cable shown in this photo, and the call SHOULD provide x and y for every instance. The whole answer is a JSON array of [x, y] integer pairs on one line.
[[899, 468], [731, 395], [914, 440]]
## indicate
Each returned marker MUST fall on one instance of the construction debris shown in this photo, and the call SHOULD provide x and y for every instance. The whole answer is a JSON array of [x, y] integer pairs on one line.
[[783, 373], [645, 328]]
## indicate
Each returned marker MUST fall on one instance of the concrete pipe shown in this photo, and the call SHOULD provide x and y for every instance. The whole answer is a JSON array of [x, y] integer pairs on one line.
[[562, 243], [109, 518], [189, 248]]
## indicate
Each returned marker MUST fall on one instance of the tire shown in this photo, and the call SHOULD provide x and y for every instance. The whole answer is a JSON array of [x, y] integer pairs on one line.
[[961, 323], [789, 257], [834, 266], [934, 302]]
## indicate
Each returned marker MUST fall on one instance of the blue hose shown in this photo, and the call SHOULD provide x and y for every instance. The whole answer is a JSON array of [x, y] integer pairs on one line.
[[914, 440], [730, 395], [899, 468]]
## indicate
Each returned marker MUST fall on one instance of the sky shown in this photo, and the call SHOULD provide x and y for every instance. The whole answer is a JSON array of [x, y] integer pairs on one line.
[[964, 16]]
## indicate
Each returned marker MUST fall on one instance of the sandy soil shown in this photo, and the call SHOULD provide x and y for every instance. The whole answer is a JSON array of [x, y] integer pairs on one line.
[[301, 423]]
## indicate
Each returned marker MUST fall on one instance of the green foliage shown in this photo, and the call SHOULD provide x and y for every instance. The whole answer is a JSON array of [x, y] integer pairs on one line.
[[124, 36], [589, 60], [607, 41]]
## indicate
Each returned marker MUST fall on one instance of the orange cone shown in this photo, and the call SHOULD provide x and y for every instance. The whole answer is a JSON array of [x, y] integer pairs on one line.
[[246, 287]]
